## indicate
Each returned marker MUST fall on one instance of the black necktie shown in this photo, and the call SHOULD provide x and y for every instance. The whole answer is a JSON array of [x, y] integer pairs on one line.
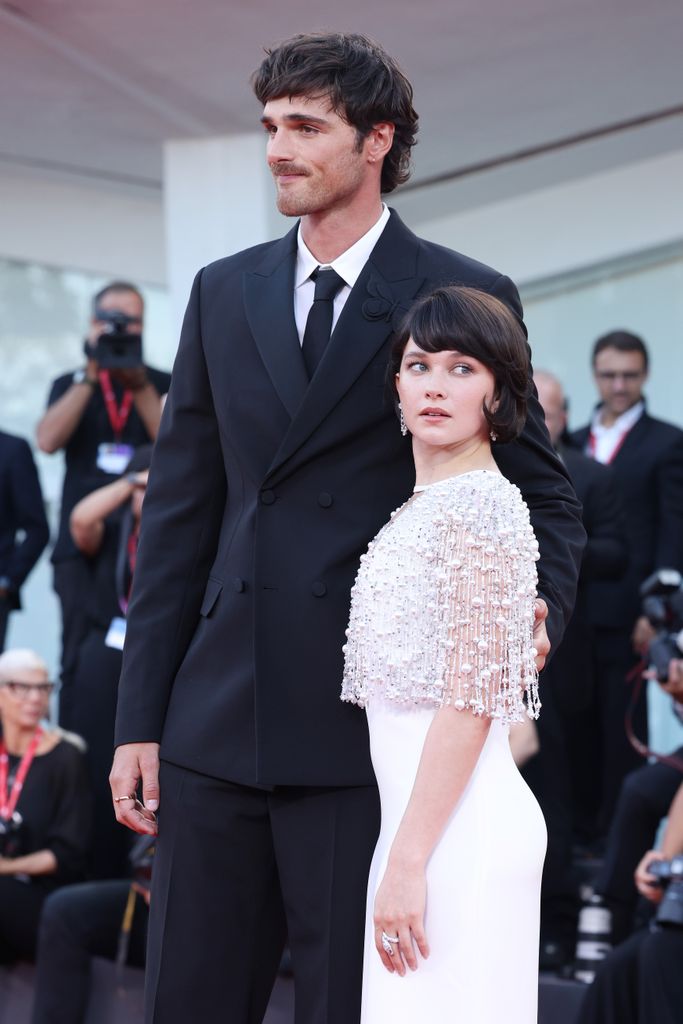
[[319, 322]]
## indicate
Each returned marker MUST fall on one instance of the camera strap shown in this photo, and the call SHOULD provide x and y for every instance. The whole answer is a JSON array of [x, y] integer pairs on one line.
[[8, 801], [636, 677], [118, 415]]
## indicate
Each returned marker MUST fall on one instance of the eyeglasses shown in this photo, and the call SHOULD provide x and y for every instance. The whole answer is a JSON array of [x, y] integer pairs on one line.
[[630, 376], [23, 690]]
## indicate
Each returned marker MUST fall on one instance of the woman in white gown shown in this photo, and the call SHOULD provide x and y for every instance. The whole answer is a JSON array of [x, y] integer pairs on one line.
[[440, 653]]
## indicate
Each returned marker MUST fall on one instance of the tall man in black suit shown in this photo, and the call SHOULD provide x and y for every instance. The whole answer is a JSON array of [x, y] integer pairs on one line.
[[278, 459], [646, 456], [23, 526]]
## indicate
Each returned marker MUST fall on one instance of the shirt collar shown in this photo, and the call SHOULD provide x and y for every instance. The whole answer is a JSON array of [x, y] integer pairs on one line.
[[351, 262], [622, 423]]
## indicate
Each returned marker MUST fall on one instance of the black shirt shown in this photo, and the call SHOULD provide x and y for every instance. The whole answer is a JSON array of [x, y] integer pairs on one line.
[[55, 805], [82, 474]]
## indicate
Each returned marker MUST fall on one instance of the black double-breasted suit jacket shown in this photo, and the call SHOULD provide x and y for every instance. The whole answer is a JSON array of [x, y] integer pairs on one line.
[[265, 489], [648, 474]]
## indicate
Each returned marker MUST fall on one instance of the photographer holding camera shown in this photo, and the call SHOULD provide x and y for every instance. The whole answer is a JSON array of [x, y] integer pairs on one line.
[[641, 981], [647, 792], [98, 415]]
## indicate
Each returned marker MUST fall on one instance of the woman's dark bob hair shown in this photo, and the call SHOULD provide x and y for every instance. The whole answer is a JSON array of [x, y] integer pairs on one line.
[[456, 318]]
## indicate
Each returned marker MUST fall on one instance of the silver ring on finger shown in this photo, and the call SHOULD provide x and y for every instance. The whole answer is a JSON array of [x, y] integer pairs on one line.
[[387, 941]]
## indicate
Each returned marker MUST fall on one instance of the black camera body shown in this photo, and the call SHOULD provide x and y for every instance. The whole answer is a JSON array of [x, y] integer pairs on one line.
[[669, 875], [662, 594], [116, 348], [11, 830]]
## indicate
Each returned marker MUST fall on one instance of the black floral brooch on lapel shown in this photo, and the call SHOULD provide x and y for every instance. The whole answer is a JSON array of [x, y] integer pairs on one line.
[[382, 304]]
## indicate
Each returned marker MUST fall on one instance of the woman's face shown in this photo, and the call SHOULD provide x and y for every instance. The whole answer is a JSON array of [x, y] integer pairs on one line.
[[442, 395], [24, 699]]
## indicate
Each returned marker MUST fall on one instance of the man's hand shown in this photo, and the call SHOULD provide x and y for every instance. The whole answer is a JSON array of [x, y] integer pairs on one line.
[[646, 884], [541, 641], [135, 762], [134, 378], [642, 636]]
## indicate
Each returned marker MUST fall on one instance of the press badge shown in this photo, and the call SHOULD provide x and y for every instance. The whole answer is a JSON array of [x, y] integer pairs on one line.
[[113, 458], [116, 634]]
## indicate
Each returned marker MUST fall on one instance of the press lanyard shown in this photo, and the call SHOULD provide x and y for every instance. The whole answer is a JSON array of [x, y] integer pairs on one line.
[[592, 446], [118, 417], [8, 802]]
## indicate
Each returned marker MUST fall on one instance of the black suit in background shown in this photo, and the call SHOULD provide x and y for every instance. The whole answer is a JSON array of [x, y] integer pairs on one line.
[[21, 510], [568, 717], [648, 472], [640, 982], [263, 494]]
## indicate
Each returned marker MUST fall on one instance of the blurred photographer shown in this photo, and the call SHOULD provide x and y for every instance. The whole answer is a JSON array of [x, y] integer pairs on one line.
[[644, 800], [641, 982], [98, 415], [105, 527]]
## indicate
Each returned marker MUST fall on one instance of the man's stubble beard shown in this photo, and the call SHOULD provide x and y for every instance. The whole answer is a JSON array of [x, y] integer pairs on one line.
[[319, 197]]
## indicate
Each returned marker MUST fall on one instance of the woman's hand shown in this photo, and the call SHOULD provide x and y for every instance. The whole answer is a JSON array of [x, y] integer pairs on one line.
[[399, 911]]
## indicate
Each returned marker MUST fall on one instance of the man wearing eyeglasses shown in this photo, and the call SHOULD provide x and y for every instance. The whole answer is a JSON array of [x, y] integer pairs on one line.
[[646, 455]]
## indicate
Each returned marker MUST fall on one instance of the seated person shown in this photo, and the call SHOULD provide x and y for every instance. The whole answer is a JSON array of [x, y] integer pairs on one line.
[[105, 919], [44, 803], [644, 800], [641, 981]]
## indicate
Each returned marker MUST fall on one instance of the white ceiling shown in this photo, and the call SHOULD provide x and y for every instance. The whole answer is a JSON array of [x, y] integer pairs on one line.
[[92, 88]]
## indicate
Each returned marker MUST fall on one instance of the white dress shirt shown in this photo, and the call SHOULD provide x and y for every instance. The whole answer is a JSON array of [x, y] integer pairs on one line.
[[604, 442], [349, 266]]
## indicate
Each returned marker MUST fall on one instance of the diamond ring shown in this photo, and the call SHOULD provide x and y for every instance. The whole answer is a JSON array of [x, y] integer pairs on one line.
[[387, 943]]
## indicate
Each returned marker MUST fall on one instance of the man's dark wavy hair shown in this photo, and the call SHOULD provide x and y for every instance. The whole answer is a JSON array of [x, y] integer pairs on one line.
[[458, 318], [364, 84]]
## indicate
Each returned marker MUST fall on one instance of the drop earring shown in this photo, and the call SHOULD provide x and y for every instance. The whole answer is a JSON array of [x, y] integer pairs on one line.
[[493, 435], [402, 420]]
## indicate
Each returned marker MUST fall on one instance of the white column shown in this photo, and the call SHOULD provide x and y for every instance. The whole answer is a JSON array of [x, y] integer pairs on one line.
[[218, 198]]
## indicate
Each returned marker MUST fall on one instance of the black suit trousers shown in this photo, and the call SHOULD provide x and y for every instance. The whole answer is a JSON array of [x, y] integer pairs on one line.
[[238, 870]]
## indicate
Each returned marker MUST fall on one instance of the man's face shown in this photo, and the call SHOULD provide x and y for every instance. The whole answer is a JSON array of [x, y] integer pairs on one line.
[[120, 302], [620, 377], [551, 397], [313, 155]]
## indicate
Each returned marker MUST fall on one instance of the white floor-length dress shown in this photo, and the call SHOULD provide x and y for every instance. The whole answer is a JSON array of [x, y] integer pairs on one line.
[[442, 612]]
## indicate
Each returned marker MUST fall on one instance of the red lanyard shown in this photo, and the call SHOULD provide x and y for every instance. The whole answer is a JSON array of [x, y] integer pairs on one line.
[[132, 560], [133, 552], [592, 445], [8, 802], [118, 417]]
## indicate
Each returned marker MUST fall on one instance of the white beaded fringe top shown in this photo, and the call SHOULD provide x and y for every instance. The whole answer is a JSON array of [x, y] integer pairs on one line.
[[442, 609]]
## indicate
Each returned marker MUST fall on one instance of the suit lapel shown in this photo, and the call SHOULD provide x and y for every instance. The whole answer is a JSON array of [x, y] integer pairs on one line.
[[633, 439], [381, 296], [269, 306]]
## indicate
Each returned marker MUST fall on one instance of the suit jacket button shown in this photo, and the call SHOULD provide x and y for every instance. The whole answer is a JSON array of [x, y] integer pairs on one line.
[[318, 589], [325, 500], [238, 584], [267, 497]]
